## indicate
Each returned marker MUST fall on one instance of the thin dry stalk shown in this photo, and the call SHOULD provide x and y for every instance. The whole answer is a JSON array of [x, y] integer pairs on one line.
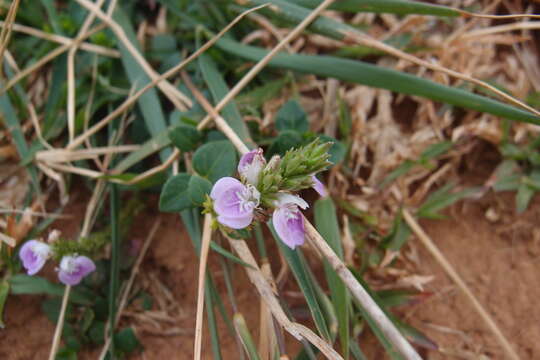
[[31, 109], [264, 61], [71, 70], [127, 289], [61, 155], [60, 324], [173, 94], [8, 240], [5, 35], [215, 115], [206, 236], [365, 40], [386, 326], [486, 16], [452, 273], [526, 25], [64, 40], [132, 99], [266, 293], [44, 60]]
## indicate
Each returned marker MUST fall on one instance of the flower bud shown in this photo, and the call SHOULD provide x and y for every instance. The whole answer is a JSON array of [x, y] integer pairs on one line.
[[251, 165]]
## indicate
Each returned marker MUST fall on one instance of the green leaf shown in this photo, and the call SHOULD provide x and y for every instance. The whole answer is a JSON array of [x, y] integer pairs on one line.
[[24, 284], [198, 189], [291, 116], [399, 7], [436, 150], [441, 199], [215, 160], [175, 195], [399, 235], [185, 137], [397, 172], [304, 282], [286, 140], [523, 197], [149, 103], [507, 176], [4, 292], [327, 224], [218, 87], [380, 77], [126, 341]]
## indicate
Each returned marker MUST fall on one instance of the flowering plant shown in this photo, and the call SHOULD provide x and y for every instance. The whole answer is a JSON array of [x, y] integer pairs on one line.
[[72, 266], [270, 188]]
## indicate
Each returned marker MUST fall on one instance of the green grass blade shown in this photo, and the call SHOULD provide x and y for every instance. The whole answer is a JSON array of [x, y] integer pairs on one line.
[[399, 7], [13, 125], [327, 224], [4, 292], [149, 104], [245, 336], [371, 75], [218, 87], [115, 262], [156, 143], [211, 318], [304, 282]]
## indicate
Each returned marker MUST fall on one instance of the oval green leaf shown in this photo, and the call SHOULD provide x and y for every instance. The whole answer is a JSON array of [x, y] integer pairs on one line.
[[215, 160], [198, 188], [174, 196]]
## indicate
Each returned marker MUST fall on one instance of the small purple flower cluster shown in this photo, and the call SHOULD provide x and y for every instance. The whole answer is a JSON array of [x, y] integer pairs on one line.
[[236, 202], [73, 268]]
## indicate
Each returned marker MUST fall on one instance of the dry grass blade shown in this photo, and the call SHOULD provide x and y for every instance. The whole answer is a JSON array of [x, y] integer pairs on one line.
[[267, 295], [8, 240], [98, 49], [379, 45], [173, 94], [132, 99], [71, 71], [206, 235], [387, 327], [486, 16], [264, 61], [44, 60], [451, 272], [526, 25], [62, 155], [60, 324], [31, 109], [148, 173], [5, 35]]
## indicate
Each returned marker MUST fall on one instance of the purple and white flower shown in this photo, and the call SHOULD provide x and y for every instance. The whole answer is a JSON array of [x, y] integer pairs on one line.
[[234, 202], [288, 220], [74, 268], [250, 166], [319, 187], [33, 255]]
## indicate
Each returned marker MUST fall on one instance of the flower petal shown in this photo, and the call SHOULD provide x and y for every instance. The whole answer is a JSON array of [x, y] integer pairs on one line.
[[33, 255], [319, 187], [74, 269], [224, 184], [250, 166], [289, 228], [238, 222], [287, 198]]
